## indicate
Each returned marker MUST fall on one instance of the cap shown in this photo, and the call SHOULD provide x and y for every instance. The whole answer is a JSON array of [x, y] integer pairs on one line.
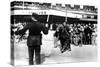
[[35, 15]]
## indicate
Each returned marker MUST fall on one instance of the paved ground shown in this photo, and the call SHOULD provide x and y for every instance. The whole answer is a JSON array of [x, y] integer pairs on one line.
[[49, 54]]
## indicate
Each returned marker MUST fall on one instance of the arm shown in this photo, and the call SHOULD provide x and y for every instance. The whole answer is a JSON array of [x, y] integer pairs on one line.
[[22, 31], [44, 29], [56, 34]]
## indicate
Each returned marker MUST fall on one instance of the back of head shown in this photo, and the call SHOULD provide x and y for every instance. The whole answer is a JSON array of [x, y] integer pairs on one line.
[[36, 16]]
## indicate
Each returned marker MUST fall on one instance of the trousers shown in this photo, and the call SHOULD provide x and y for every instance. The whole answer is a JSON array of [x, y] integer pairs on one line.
[[34, 50]]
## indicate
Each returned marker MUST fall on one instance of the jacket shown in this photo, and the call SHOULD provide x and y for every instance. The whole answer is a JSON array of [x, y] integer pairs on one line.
[[35, 28]]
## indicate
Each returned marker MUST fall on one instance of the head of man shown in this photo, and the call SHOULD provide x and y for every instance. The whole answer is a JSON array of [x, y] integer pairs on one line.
[[35, 16], [64, 23]]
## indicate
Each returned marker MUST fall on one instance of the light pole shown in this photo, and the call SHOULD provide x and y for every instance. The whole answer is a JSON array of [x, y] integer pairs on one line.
[[66, 14]]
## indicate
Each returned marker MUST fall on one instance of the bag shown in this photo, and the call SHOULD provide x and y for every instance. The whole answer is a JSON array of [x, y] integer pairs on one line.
[[34, 40]]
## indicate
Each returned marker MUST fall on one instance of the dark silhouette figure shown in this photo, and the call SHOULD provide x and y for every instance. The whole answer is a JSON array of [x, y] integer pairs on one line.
[[34, 39]]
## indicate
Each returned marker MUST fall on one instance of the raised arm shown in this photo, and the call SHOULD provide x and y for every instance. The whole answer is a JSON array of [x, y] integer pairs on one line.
[[44, 29], [22, 30]]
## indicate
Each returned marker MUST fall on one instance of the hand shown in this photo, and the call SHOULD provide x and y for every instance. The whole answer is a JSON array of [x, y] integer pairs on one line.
[[47, 25]]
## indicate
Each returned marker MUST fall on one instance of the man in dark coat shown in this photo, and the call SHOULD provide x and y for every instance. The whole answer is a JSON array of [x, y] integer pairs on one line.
[[34, 38], [64, 37], [88, 32]]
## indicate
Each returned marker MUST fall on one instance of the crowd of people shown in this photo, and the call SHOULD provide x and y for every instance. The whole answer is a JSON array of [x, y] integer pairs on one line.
[[83, 33], [77, 34]]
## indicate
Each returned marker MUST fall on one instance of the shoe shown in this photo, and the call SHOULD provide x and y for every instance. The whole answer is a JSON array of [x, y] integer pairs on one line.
[[62, 51], [69, 49], [55, 46], [31, 63]]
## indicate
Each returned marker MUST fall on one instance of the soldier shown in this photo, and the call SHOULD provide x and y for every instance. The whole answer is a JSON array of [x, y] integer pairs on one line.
[[34, 38]]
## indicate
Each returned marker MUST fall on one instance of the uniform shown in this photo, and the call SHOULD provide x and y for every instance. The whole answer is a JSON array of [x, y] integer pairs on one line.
[[34, 39]]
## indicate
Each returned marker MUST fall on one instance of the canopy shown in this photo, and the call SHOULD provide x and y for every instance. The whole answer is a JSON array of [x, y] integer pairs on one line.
[[52, 19]]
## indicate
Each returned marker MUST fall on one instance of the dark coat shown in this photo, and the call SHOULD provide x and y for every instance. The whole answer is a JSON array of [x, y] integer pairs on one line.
[[35, 35], [88, 31]]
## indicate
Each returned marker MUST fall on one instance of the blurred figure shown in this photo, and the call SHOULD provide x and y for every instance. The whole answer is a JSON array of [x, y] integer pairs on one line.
[[64, 37], [88, 33], [56, 36], [34, 39]]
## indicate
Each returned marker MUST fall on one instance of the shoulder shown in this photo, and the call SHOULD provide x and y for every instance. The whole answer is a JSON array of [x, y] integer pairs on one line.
[[29, 24], [40, 24]]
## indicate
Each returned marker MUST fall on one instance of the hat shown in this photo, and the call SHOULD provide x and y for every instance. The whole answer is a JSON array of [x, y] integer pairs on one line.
[[35, 15]]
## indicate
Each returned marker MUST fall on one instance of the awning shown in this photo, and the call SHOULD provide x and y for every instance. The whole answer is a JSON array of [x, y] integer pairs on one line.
[[52, 19]]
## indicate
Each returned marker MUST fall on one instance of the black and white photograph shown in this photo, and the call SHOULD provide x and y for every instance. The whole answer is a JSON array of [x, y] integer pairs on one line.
[[45, 33]]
